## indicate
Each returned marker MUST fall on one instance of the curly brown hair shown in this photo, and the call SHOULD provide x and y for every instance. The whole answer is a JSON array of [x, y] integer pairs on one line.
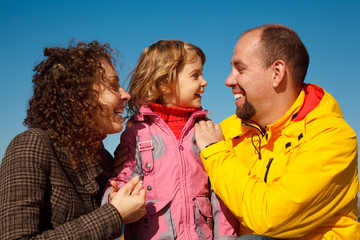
[[65, 103], [157, 71]]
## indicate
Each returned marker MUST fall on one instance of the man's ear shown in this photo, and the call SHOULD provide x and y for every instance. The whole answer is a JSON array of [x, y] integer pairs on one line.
[[279, 68]]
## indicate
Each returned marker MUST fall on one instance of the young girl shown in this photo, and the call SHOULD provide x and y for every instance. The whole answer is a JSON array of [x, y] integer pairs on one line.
[[166, 88]]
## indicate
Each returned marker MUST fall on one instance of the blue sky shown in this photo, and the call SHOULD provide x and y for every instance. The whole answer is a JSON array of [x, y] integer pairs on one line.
[[329, 29]]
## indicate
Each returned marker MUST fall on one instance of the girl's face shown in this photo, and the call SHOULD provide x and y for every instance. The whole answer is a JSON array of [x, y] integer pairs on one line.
[[112, 98], [189, 86]]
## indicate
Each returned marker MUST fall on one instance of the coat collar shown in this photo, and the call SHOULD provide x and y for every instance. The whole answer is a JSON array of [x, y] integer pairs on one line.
[[309, 98], [146, 112], [85, 176]]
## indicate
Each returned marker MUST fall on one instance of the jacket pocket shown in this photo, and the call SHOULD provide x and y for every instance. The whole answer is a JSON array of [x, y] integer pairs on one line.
[[156, 224], [203, 217]]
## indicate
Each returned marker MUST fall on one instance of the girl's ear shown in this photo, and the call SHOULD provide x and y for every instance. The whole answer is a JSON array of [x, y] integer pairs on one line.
[[279, 68], [164, 88]]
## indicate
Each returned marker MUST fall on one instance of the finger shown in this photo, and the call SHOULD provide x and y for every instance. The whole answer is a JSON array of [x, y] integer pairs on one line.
[[114, 187], [129, 186], [142, 194], [209, 123], [200, 125], [201, 121], [137, 188]]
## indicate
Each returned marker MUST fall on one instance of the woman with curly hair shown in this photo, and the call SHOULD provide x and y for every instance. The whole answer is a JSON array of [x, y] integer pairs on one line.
[[53, 174]]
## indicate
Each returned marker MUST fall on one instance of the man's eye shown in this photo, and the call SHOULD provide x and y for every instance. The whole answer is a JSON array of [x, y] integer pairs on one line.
[[240, 70]]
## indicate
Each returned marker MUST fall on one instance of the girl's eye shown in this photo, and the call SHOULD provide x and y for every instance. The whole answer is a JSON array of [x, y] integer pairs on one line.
[[195, 75]]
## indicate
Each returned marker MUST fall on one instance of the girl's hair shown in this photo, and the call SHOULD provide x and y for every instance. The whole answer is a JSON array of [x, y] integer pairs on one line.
[[157, 70], [65, 103]]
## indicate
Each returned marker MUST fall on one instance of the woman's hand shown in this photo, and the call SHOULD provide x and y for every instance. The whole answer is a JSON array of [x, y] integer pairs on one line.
[[115, 189], [129, 200]]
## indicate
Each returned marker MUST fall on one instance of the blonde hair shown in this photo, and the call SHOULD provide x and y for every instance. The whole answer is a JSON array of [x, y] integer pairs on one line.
[[157, 70]]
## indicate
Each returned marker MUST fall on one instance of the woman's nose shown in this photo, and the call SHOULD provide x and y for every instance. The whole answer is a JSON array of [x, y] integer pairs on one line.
[[124, 95]]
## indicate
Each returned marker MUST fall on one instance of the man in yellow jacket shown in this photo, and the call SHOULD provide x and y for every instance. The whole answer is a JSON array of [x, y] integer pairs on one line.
[[286, 163]]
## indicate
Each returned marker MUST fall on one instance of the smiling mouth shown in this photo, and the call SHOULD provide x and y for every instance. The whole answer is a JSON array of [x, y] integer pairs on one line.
[[238, 95], [119, 114], [119, 111]]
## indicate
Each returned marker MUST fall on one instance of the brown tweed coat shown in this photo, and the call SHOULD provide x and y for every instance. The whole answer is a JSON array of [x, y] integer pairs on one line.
[[43, 197]]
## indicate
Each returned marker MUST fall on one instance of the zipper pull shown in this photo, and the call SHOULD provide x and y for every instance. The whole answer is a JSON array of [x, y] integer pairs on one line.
[[267, 169]]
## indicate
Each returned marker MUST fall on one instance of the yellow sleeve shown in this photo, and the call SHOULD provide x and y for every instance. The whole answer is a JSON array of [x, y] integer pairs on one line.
[[320, 180]]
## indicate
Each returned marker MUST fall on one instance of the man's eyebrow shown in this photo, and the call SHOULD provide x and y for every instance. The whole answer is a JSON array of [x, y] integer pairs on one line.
[[237, 62]]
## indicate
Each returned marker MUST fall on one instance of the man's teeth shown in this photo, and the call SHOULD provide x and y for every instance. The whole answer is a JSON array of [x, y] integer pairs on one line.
[[236, 96]]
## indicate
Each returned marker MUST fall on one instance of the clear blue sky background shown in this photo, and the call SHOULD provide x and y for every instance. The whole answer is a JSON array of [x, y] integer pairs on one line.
[[329, 29]]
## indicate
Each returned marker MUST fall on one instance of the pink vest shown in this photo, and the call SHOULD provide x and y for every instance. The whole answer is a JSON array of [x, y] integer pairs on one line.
[[179, 201]]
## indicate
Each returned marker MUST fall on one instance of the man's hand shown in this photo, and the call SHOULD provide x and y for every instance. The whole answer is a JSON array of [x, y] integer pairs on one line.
[[207, 132]]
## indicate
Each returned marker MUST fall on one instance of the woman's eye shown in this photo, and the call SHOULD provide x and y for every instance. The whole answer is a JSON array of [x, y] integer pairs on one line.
[[115, 86]]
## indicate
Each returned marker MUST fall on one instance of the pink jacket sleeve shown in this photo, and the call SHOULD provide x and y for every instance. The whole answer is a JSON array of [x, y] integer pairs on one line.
[[130, 167], [226, 226]]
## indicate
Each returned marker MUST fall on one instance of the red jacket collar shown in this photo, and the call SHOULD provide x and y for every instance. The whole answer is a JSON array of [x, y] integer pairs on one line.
[[313, 96]]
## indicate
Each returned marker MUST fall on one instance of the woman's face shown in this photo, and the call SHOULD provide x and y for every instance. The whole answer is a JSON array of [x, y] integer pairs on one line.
[[112, 98]]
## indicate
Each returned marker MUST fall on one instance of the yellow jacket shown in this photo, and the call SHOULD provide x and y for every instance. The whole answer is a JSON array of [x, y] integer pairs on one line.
[[304, 182]]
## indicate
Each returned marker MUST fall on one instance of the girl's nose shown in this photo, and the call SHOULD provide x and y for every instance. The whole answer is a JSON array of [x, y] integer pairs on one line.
[[204, 83]]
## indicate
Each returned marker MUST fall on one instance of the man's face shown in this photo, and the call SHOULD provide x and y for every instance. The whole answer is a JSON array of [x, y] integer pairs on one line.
[[248, 79]]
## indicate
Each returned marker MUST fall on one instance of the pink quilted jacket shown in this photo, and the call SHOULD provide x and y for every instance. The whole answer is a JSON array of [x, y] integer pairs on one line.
[[179, 201]]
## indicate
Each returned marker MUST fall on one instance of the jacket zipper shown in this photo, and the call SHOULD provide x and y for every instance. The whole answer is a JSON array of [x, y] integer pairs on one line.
[[262, 132], [267, 169], [163, 124], [185, 130]]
